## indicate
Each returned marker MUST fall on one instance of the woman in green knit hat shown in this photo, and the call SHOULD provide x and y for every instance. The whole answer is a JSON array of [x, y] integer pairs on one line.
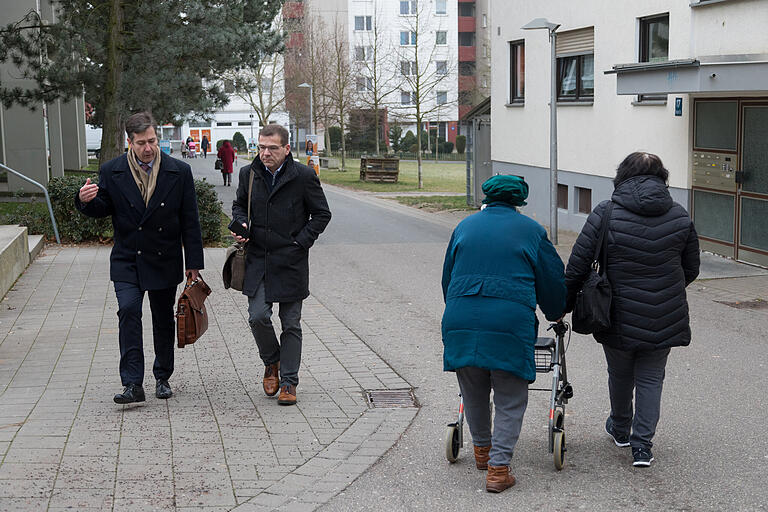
[[498, 266]]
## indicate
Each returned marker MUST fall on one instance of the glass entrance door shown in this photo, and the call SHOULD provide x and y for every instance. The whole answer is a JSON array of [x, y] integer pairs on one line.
[[753, 190]]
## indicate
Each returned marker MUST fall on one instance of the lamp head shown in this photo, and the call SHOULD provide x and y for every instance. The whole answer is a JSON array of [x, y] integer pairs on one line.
[[305, 84], [540, 23]]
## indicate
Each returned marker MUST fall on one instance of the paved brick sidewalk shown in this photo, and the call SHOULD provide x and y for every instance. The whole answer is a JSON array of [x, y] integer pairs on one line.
[[217, 444]]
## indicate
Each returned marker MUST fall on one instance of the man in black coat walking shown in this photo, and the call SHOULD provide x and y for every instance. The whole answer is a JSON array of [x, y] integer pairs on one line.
[[151, 198], [288, 212]]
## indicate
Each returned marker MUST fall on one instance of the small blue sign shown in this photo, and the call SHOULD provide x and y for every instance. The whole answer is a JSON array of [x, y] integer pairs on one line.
[[165, 146], [678, 106]]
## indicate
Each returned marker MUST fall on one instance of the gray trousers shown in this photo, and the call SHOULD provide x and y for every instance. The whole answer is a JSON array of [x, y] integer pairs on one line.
[[288, 351], [510, 399], [642, 374]]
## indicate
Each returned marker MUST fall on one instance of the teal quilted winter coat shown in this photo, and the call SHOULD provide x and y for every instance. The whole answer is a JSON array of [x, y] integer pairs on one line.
[[499, 264]]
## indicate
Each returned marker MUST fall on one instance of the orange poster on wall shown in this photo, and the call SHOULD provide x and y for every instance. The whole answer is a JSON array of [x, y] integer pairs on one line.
[[195, 134], [206, 133]]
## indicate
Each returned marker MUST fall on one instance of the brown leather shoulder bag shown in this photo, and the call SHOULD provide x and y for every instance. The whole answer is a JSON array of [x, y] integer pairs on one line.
[[191, 316]]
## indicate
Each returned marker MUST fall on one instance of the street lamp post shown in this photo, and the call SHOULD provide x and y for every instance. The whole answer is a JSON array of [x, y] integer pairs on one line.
[[543, 23], [311, 102], [251, 116]]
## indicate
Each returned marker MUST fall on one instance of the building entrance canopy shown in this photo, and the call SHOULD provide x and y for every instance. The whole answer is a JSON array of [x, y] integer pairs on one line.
[[728, 74]]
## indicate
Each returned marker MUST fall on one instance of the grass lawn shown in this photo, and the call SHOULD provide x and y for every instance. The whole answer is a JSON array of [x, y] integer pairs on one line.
[[437, 177], [435, 203]]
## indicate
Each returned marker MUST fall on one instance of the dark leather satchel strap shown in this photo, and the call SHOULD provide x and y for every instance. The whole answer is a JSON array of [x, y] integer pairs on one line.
[[601, 248]]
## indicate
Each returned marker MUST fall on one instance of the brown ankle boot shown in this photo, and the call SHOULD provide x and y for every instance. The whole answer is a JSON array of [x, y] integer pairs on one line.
[[271, 381], [498, 479], [481, 456]]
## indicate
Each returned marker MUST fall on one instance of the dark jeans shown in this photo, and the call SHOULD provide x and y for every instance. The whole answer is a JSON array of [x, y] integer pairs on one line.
[[288, 351], [510, 398], [641, 373], [129, 301]]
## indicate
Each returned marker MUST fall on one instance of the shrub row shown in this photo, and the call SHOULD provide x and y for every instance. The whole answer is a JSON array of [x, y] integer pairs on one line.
[[75, 227]]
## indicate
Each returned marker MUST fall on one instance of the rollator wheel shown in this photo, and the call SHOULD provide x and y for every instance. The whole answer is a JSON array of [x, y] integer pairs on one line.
[[452, 445], [559, 451]]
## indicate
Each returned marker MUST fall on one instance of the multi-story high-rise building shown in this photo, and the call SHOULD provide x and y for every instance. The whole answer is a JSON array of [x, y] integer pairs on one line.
[[474, 51]]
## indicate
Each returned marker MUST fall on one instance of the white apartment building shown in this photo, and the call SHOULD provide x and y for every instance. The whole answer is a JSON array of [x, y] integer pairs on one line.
[[686, 80], [415, 37]]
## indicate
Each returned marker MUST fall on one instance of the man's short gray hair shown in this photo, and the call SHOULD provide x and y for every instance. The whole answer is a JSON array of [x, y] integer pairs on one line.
[[139, 123], [275, 129]]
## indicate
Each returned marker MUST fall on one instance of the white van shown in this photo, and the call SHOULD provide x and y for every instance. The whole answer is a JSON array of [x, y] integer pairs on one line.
[[93, 139]]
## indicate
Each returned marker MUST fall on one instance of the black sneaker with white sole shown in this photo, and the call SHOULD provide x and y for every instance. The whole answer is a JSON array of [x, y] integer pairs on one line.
[[643, 457], [621, 440]]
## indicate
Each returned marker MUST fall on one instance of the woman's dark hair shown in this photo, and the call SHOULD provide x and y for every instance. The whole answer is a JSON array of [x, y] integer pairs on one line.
[[640, 164]]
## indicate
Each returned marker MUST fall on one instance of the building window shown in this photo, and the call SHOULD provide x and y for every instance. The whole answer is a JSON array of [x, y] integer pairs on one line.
[[407, 98], [359, 53], [576, 78], [408, 7], [442, 97], [441, 67], [441, 7], [467, 9], [584, 198], [363, 23], [243, 123], [441, 37], [516, 71], [407, 68], [466, 39], [407, 38], [654, 47], [467, 68], [201, 124], [562, 196], [226, 123], [364, 83], [484, 24]]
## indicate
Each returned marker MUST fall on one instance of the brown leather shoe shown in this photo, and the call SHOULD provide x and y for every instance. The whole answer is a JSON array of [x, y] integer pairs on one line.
[[498, 479], [272, 379], [287, 395], [481, 456]]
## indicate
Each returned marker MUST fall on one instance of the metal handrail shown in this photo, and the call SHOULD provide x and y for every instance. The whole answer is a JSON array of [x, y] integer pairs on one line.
[[47, 198]]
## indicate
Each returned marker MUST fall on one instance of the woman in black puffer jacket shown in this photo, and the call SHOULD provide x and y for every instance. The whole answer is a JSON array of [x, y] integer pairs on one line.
[[653, 254]]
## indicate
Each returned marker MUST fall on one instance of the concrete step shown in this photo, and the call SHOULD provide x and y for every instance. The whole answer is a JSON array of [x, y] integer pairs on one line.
[[36, 245], [14, 255]]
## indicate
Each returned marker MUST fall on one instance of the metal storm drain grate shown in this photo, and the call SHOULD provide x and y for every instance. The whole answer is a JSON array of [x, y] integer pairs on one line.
[[746, 304], [390, 398]]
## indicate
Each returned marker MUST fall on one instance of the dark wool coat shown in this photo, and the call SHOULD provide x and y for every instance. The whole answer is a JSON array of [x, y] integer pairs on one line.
[[499, 264], [284, 225], [148, 240], [653, 254]]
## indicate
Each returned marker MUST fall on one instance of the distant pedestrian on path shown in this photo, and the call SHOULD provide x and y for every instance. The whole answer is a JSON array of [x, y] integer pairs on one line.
[[288, 213], [499, 264], [227, 156], [192, 148], [151, 199], [653, 254], [204, 144]]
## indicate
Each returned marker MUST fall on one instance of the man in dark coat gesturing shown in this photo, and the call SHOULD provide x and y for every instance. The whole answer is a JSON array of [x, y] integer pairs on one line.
[[151, 198], [288, 212]]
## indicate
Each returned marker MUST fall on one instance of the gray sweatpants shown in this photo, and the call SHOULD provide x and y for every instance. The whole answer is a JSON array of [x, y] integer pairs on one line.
[[288, 351], [510, 398], [641, 373]]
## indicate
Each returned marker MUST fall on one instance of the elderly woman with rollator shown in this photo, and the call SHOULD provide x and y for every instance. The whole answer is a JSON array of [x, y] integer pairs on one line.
[[499, 264], [652, 255]]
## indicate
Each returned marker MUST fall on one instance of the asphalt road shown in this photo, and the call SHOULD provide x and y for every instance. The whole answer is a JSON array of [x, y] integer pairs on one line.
[[377, 268]]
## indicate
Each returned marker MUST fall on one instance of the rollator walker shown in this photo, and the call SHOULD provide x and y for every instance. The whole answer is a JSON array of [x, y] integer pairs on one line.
[[549, 354]]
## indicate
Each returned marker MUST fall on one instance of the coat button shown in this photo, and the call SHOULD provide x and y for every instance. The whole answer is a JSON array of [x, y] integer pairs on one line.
[[138, 252], [159, 229], [162, 204], [159, 253], [139, 228]]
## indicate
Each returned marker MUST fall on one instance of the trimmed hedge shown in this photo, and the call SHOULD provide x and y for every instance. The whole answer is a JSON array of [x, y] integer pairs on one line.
[[461, 143], [76, 227]]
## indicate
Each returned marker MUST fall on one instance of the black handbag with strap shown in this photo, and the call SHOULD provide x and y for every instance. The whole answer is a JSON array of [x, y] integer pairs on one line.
[[233, 273], [592, 309], [218, 164]]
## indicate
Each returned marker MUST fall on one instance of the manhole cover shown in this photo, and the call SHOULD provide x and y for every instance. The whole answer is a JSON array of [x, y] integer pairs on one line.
[[390, 398], [746, 304]]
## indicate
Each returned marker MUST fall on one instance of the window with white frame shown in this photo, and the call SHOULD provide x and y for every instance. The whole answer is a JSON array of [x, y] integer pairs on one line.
[[407, 98], [442, 97], [407, 68], [576, 65], [363, 83], [516, 71], [441, 67], [408, 7], [363, 23], [359, 53], [654, 46], [441, 6], [441, 37], [407, 38]]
